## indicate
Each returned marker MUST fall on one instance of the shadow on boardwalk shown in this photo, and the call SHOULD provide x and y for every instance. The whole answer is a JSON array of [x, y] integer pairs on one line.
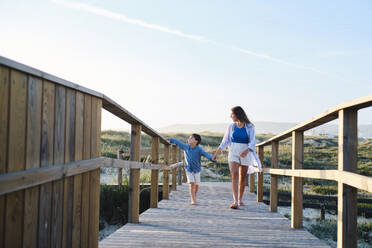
[[210, 224]]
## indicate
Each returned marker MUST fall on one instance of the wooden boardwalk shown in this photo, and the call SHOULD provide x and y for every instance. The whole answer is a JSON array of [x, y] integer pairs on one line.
[[210, 224]]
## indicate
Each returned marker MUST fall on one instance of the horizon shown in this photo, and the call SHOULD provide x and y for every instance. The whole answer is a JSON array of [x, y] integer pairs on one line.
[[190, 62]]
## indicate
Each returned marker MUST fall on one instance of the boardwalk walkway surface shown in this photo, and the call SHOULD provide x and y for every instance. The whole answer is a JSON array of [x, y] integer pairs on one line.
[[210, 224]]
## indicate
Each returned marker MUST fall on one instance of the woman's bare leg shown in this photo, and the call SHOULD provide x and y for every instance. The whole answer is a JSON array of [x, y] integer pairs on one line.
[[242, 180], [234, 171]]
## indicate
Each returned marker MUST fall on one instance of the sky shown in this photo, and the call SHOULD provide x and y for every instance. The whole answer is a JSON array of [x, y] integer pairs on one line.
[[188, 62]]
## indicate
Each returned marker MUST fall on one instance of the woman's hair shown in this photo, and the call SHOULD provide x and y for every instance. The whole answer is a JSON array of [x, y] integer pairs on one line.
[[240, 114]]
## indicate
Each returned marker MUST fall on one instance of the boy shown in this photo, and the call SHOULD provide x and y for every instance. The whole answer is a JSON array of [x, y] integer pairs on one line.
[[193, 153]]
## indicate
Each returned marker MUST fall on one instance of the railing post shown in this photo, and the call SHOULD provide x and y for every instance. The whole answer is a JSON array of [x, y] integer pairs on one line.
[[154, 173], [260, 175], [297, 186], [174, 170], [251, 182], [179, 169], [166, 174], [120, 171], [274, 178], [347, 195], [134, 190]]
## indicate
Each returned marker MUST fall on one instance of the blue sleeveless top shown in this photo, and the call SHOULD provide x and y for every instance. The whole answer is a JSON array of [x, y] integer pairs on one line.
[[240, 135]]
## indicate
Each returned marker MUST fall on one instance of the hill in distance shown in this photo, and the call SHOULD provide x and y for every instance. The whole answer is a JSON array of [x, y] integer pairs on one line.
[[364, 131]]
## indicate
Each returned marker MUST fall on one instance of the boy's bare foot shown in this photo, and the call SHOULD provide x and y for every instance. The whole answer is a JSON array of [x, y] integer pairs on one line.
[[193, 203]]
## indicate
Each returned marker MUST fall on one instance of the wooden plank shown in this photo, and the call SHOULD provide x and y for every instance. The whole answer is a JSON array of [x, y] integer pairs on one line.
[[347, 195], [95, 175], [79, 143], [355, 180], [86, 176], [166, 173], [68, 183], [323, 118], [175, 224], [174, 170], [316, 174], [16, 157], [15, 181], [31, 207], [59, 157], [126, 164], [46, 158], [274, 178], [135, 151], [297, 186], [260, 175], [154, 174], [4, 118]]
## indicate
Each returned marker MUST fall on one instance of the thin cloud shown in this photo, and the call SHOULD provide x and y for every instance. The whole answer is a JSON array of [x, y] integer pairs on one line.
[[123, 18]]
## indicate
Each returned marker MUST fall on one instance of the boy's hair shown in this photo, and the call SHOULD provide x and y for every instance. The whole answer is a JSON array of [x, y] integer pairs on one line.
[[197, 138]]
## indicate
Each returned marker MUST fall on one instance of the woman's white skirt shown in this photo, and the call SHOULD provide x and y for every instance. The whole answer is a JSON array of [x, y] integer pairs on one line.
[[251, 159]]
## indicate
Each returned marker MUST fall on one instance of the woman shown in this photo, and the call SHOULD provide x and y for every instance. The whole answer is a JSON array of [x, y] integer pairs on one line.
[[240, 138]]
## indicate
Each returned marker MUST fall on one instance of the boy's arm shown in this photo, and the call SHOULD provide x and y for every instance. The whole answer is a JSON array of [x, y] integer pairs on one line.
[[206, 154], [178, 143]]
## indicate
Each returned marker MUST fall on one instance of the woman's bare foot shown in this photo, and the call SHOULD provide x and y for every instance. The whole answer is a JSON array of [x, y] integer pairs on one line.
[[234, 206], [240, 203], [193, 203]]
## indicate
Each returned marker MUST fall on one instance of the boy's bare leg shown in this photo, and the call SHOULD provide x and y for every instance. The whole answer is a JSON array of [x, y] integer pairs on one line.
[[234, 171], [192, 193], [243, 178], [196, 189]]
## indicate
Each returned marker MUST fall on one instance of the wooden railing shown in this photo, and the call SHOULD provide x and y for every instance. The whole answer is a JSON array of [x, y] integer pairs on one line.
[[50, 133], [346, 175]]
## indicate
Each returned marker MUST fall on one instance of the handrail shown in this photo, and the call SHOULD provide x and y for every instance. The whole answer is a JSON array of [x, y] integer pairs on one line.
[[346, 175], [14, 181], [107, 103], [321, 119]]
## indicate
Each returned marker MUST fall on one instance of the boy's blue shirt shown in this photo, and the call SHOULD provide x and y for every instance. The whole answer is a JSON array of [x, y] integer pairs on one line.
[[192, 155]]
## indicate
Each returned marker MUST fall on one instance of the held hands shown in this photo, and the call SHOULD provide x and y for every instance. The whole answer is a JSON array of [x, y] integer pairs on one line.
[[214, 158]]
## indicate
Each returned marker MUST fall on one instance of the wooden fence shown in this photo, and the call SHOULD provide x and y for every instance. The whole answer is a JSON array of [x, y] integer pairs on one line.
[[50, 148], [346, 175]]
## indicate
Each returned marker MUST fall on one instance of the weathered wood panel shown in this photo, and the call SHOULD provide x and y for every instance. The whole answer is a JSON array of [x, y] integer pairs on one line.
[[68, 183], [4, 109], [79, 148], [86, 176], [16, 157], [95, 175], [46, 159], [31, 206], [59, 157]]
